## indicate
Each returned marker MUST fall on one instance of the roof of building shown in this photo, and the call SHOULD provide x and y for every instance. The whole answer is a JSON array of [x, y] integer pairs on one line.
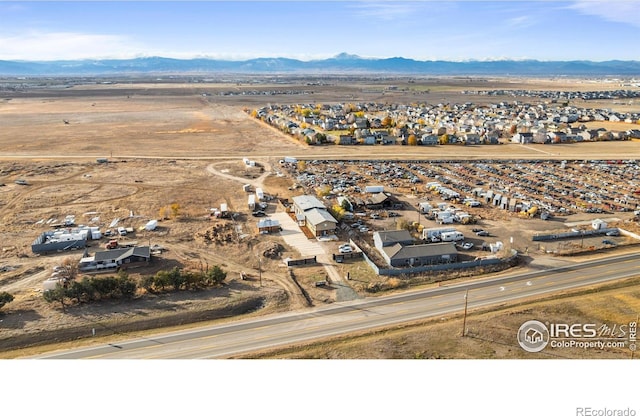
[[394, 236], [307, 202], [268, 222], [400, 252], [317, 216], [122, 253], [378, 198]]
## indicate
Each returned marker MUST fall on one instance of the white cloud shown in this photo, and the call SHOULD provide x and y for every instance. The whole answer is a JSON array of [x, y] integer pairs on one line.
[[386, 11], [626, 11], [520, 22], [65, 45]]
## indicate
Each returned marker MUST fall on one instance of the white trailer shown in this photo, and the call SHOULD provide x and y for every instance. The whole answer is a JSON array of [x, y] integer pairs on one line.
[[259, 194], [452, 236], [428, 233], [425, 207], [151, 225], [374, 189], [252, 202]]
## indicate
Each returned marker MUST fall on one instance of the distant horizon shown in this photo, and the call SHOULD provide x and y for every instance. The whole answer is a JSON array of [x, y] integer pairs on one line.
[[335, 56], [423, 30]]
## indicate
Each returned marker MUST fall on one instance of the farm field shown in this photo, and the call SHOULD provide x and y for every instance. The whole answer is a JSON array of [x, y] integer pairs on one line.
[[183, 143]]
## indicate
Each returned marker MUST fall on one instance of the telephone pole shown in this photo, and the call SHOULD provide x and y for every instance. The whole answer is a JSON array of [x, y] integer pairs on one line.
[[464, 319]]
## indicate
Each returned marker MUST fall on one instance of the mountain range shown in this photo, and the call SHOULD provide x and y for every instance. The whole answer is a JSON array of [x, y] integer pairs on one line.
[[342, 63]]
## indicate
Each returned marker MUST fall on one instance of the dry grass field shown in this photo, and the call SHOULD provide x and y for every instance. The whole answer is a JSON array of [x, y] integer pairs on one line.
[[162, 139]]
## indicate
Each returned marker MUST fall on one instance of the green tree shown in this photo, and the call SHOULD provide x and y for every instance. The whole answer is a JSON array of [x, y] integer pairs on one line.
[[176, 278], [193, 280], [56, 295], [216, 275], [5, 297], [162, 280], [106, 287], [147, 283], [126, 286], [77, 290]]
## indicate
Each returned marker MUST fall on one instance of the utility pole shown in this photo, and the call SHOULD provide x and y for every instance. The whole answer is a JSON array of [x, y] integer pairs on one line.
[[464, 319]]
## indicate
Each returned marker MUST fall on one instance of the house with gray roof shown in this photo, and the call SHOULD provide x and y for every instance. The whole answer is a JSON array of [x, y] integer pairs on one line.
[[115, 259], [399, 255], [303, 203], [383, 239], [314, 214]]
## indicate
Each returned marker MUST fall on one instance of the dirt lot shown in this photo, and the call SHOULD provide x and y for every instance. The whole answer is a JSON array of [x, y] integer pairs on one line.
[[165, 144]]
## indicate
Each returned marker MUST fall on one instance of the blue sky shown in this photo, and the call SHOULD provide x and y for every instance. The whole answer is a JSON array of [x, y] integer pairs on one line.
[[425, 30]]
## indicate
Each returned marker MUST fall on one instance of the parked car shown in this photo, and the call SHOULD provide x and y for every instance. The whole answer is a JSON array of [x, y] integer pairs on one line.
[[467, 246], [393, 214], [613, 233], [475, 230], [346, 249], [375, 216], [258, 213], [608, 243], [483, 233], [363, 229]]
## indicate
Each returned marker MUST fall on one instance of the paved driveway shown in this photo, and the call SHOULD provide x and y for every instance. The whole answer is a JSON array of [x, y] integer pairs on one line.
[[295, 238]]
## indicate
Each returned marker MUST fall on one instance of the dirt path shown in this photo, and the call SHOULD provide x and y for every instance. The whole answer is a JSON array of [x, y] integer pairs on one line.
[[256, 183]]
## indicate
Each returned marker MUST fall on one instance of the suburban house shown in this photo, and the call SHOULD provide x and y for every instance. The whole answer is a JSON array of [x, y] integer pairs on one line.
[[471, 138], [314, 214], [429, 140], [419, 255], [115, 259], [522, 138], [346, 139], [398, 250]]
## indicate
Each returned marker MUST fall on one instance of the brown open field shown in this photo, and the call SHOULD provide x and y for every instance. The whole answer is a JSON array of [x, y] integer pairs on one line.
[[162, 140]]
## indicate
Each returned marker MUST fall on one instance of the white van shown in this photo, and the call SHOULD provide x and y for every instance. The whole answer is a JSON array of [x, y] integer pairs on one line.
[[122, 231]]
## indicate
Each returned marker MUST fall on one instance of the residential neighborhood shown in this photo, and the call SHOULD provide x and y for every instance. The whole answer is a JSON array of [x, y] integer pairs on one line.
[[432, 124]]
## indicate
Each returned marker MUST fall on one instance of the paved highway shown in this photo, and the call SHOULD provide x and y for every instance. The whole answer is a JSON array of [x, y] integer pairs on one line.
[[228, 340]]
